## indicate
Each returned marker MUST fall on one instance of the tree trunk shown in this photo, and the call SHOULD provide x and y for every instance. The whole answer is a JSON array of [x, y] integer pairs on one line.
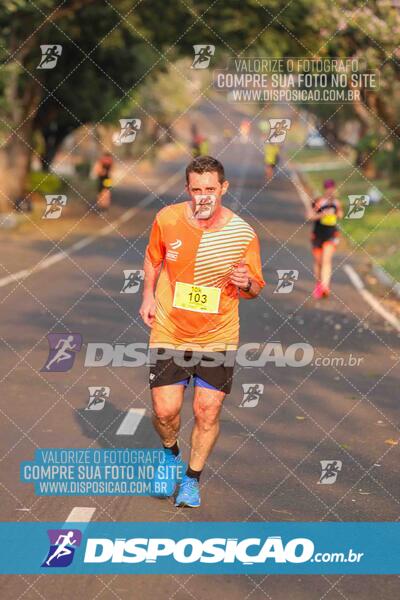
[[19, 145], [17, 159], [52, 145], [368, 166]]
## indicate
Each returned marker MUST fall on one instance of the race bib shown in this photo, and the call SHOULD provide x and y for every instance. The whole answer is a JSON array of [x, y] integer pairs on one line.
[[198, 298], [328, 220]]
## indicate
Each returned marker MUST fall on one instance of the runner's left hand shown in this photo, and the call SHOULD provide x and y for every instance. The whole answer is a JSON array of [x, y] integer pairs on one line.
[[240, 275]]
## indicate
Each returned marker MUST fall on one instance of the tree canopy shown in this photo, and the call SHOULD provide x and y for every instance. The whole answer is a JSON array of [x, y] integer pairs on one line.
[[110, 50]]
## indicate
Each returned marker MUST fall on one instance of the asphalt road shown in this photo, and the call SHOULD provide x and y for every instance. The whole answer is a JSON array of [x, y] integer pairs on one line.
[[266, 465]]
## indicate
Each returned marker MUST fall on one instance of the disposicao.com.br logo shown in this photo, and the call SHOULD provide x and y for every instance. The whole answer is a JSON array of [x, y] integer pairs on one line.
[[248, 551], [213, 547], [191, 550], [63, 348]]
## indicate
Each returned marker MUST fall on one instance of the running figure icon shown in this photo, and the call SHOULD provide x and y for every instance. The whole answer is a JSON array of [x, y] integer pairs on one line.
[[63, 346], [50, 55], [62, 542], [132, 281], [202, 55], [62, 352]]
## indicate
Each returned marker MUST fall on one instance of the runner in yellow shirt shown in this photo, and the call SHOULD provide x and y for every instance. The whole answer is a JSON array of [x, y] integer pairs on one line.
[[271, 159]]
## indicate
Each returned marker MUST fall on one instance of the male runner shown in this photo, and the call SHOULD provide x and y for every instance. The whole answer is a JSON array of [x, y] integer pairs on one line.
[[325, 212], [271, 159], [203, 258], [199, 142], [102, 170], [245, 128]]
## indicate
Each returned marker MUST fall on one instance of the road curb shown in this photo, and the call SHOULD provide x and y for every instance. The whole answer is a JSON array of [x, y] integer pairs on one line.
[[386, 280], [370, 298], [10, 221]]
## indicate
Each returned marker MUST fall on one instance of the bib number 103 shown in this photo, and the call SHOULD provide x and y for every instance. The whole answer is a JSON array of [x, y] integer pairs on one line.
[[197, 297]]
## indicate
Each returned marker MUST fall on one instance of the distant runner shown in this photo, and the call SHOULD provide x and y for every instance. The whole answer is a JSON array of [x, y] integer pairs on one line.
[[245, 128], [201, 258], [271, 159], [199, 143], [325, 212], [102, 170]]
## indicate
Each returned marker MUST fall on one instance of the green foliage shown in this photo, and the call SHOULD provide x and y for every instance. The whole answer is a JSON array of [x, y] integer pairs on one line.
[[370, 33], [368, 143], [110, 49], [83, 169], [120, 57], [44, 183], [169, 93]]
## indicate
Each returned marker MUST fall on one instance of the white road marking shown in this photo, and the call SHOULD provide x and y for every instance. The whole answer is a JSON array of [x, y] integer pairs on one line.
[[368, 297], [58, 256], [131, 421], [80, 514], [352, 275], [304, 197]]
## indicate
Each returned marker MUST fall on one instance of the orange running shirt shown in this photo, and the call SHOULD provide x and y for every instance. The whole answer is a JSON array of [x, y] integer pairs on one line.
[[203, 258]]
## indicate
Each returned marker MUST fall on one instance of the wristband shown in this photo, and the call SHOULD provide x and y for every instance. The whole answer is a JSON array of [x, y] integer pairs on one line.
[[248, 286]]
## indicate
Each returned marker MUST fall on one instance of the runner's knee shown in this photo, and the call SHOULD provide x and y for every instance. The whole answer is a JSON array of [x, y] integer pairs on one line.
[[164, 414], [206, 416]]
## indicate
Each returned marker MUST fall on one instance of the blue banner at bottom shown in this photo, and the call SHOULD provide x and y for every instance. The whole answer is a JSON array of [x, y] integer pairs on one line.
[[200, 548]]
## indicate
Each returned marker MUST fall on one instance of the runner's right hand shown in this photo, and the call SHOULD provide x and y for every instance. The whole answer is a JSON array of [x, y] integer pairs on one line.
[[148, 310]]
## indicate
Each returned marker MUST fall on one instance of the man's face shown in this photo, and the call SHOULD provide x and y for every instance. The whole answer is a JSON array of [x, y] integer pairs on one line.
[[205, 193]]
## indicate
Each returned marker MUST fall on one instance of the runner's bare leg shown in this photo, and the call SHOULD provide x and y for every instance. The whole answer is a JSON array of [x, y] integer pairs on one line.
[[167, 404], [317, 265], [207, 406], [326, 264]]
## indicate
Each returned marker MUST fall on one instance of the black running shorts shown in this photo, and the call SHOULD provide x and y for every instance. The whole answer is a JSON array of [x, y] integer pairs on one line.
[[213, 370]]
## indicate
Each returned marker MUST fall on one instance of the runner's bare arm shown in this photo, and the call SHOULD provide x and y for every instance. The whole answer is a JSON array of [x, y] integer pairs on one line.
[[241, 277], [339, 210], [311, 213], [96, 170], [153, 261], [151, 274], [148, 308]]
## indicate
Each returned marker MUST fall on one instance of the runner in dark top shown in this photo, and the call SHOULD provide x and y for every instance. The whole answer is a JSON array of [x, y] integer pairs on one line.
[[102, 170], [325, 212]]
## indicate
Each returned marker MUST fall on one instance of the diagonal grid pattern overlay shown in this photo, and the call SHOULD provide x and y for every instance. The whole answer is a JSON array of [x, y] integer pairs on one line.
[[143, 395]]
